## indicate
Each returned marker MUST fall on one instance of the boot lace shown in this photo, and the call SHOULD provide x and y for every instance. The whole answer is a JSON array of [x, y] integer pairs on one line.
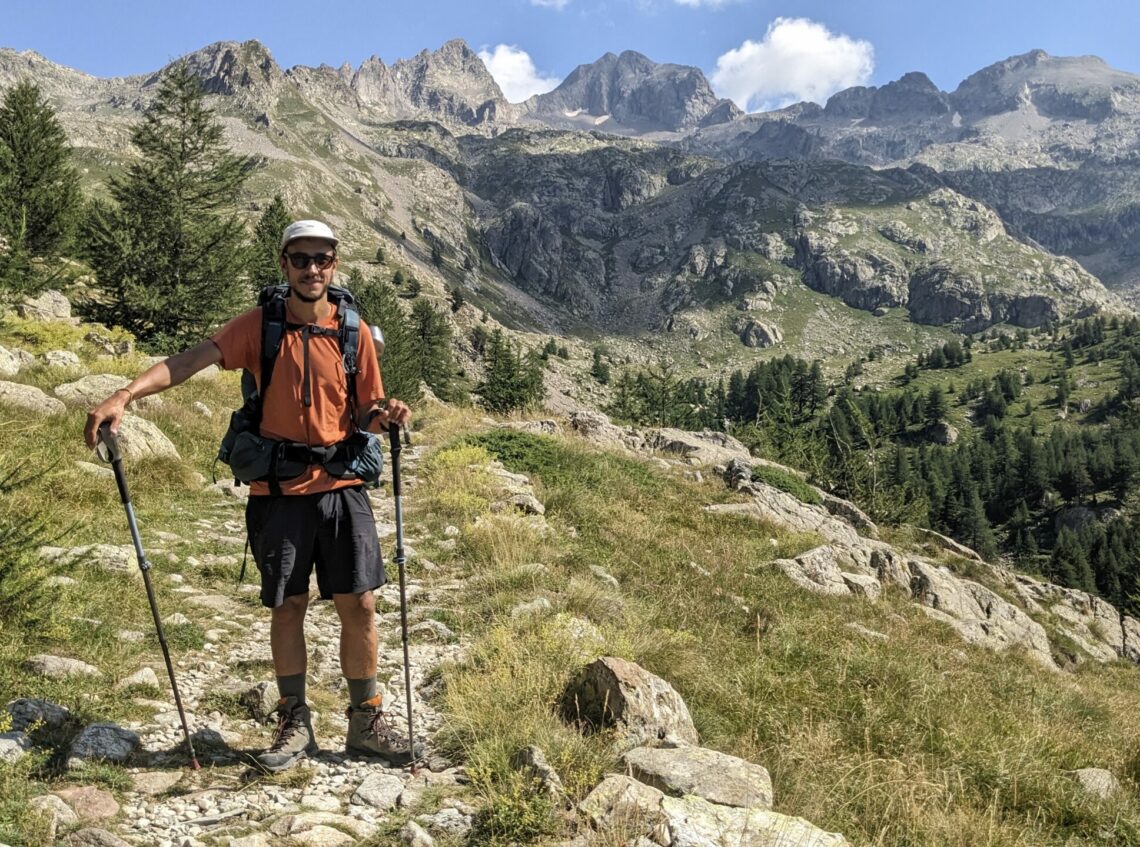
[[287, 725], [378, 726]]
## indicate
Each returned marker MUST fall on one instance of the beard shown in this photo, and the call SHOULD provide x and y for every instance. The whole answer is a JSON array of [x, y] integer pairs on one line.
[[305, 298]]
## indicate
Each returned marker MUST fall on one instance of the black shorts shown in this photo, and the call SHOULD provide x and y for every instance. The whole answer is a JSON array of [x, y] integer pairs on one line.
[[334, 530]]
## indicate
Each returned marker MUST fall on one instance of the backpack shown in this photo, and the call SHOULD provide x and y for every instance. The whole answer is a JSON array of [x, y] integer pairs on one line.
[[254, 458]]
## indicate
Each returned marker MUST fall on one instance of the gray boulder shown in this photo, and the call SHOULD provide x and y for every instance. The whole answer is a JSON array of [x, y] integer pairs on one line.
[[56, 811], [60, 667], [13, 746], [106, 742], [92, 389], [716, 777], [644, 708], [139, 438], [60, 359], [1097, 782], [379, 791], [50, 305], [28, 398], [27, 711], [9, 362], [533, 761], [754, 333], [95, 838]]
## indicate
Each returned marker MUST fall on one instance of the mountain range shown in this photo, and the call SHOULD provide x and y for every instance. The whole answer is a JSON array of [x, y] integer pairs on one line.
[[632, 199]]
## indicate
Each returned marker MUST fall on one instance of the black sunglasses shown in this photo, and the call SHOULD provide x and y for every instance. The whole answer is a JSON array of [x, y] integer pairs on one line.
[[301, 261]]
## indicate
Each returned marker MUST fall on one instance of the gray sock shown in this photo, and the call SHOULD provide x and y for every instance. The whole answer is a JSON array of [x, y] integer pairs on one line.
[[360, 690], [292, 686]]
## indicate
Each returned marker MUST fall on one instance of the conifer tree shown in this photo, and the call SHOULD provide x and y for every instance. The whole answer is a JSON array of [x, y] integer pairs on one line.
[[513, 379], [169, 254], [39, 187], [431, 350], [380, 306], [265, 264]]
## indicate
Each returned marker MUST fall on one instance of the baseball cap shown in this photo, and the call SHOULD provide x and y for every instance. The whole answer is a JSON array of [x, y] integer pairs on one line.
[[307, 229]]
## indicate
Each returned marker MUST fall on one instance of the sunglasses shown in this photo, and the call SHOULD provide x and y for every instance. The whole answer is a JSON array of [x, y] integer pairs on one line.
[[301, 261]]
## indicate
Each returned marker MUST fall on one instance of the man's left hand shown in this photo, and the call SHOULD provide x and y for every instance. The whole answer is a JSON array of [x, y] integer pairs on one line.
[[392, 412]]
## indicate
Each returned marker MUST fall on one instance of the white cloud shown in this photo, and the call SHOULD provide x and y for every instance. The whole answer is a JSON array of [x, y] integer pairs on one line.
[[551, 4], [798, 59], [514, 71]]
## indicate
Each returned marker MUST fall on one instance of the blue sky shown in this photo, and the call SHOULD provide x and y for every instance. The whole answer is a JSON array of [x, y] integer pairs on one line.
[[759, 52]]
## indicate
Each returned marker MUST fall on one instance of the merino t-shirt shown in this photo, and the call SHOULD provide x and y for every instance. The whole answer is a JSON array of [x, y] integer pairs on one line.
[[285, 417]]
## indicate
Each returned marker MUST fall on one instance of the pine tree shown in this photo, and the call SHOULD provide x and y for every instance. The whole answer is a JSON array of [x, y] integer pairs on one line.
[[455, 298], [39, 187], [513, 380], [431, 346], [169, 253], [264, 264], [600, 370], [380, 306]]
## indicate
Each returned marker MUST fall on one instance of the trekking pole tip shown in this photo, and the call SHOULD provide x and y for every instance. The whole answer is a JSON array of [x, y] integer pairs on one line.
[[194, 764]]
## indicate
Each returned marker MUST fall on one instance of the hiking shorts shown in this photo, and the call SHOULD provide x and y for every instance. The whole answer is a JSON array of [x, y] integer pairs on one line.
[[335, 531]]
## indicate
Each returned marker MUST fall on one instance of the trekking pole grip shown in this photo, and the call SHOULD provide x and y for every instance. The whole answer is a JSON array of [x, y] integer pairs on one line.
[[110, 441]]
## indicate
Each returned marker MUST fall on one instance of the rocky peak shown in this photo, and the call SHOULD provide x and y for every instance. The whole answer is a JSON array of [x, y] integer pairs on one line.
[[452, 83], [637, 93], [227, 67], [912, 96], [1066, 88], [374, 84]]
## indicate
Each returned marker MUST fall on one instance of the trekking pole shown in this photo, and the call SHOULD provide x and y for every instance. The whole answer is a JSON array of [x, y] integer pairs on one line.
[[112, 454], [394, 438]]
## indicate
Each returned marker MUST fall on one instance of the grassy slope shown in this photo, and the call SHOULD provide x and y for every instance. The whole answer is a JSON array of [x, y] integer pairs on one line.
[[919, 740]]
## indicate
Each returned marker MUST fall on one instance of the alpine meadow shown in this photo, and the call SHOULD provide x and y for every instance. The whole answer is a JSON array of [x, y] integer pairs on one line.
[[772, 478]]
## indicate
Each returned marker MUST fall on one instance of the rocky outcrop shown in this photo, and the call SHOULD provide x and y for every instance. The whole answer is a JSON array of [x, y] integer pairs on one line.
[[29, 399], [451, 83], [697, 771], [754, 333]]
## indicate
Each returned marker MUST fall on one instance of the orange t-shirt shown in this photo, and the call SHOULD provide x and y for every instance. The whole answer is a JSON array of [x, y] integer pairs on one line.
[[285, 417]]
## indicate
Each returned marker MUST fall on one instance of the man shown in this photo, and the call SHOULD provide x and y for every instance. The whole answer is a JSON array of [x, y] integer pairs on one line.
[[317, 520]]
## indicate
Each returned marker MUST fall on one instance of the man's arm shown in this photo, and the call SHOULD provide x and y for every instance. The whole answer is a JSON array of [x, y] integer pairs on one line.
[[158, 377]]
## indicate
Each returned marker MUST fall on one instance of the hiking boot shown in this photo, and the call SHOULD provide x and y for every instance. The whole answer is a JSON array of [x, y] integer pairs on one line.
[[293, 740], [370, 733]]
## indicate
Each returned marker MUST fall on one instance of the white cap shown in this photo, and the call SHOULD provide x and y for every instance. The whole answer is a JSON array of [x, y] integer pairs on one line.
[[307, 229]]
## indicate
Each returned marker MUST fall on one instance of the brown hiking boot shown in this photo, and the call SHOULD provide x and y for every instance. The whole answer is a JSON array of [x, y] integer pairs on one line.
[[369, 733], [293, 740]]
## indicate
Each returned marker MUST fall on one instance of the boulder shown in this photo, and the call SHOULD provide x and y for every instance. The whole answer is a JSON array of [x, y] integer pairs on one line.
[[60, 667], [379, 791], [942, 433], [716, 777], [754, 333], [260, 701], [1097, 782], [978, 614], [139, 438], [9, 362], [414, 835], [292, 825], [112, 557], [13, 746], [597, 428], [102, 742], [89, 802], [143, 676], [95, 838], [56, 811], [60, 359], [50, 305], [28, 398], [693, 822], [1091, 622], [533, 761], [93, 389], [26, 711], [644, 708], [704, 448]]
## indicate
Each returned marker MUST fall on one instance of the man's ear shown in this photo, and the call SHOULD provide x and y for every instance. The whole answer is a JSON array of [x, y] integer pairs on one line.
[[284, 263]]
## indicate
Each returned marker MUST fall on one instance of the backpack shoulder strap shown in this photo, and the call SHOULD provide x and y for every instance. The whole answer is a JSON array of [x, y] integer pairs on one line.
[[348, 336], [272, 302]]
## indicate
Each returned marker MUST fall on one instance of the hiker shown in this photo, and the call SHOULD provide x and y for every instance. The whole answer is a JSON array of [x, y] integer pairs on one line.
[[304, 514]]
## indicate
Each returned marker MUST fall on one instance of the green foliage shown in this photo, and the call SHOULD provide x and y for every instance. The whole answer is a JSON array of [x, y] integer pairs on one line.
[[265, 253], [169, 251], [39, 187], [380, 306], [431, 350], [455, 298], [25, 596], [517, 813], [600, 369], [785, 481], [513, 378]]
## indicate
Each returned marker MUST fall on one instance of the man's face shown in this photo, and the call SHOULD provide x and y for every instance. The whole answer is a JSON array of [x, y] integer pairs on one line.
[[311, 282]]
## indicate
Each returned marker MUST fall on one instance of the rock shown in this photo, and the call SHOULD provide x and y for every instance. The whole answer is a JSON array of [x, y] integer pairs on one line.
[[605, 576], [753, 333], [819, 570], [96, 470], [60, 359], [537, 606], [704, 448], [946, 543], [533, 760], [30, 399], [89, 802], [379, 791], [112, 557], [447, 822], [619, 801], [143, 676], [102, 742], [322, 836], [9, 362], [58, 667], [257, 839], [979, 615], [95, 838], [872, 634], [693, 822], [139, 438], [863, 585], [596, 427], [291, 825], [414, 835], [432, 630], [156, 782], [644, 708], [93, 389], [716, 777], [1091, 622], [13, 746], [1097, 782], [50, 305], [527, 504], [260, 701], [544, 427], [56, 811], [849, 512], [25, 712], [942, 433], [201, 408]]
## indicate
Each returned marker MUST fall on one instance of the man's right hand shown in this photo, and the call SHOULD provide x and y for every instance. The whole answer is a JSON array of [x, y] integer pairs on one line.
[[110, 410]]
